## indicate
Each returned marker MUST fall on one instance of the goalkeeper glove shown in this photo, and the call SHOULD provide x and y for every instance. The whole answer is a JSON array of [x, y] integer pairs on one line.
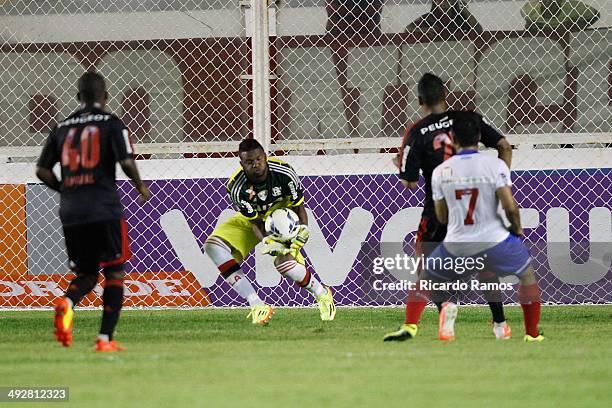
[[301, 238], [274, 248]]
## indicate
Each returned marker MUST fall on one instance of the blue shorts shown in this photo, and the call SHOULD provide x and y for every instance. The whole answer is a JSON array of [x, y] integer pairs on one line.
[[509, 257]]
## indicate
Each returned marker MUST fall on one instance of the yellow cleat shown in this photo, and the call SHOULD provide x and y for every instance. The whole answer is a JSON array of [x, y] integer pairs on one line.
[[529, 339], [327, 308], [405, 332], [261, 314]]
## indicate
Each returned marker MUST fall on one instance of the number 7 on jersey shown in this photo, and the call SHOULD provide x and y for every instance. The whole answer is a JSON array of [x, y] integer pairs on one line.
[[473, 193]]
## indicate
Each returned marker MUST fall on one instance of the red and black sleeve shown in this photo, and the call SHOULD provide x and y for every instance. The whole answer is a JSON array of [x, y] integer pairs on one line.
[[411, 156], [120, 141], [50, 152], [489, 136]]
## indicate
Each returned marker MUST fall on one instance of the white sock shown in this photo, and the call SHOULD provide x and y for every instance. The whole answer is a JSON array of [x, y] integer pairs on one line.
[[103, 337], [218, 250], [298, 273], [221, 254], [243, 287]]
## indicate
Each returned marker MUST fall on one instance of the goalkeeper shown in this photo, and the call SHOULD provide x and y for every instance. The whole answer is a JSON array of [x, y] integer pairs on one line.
[[257, 188]]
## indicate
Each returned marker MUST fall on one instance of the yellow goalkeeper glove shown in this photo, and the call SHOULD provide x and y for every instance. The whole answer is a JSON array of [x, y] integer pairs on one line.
[[273, 247], [301, 238]]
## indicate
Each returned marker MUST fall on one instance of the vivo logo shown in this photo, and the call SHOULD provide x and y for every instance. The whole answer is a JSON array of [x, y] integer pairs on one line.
[[333, 265], [133, 287]]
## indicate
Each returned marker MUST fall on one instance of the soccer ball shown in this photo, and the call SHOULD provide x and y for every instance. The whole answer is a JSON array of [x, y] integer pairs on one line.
[[283, 224]]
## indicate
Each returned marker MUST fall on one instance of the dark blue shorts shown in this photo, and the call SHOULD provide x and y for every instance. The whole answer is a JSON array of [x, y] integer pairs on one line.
[[509, 257]]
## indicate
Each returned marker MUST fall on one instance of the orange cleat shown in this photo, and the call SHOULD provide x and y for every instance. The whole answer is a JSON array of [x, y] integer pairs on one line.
[[502, 331], [108, 346], [63, 322], [446, 325]]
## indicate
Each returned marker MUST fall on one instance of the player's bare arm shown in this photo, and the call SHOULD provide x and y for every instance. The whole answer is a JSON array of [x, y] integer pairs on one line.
[[49, 178], [441, 211], [504, 151], [408, 160], [300, 210], [410, 185], [45, 165], [131, 170], [258, 228], [511, 208]]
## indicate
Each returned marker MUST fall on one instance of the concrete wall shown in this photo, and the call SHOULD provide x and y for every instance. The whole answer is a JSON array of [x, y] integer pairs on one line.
[[144, 19]]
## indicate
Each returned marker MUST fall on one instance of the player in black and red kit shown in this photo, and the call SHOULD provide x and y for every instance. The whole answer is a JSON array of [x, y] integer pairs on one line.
[[88, 144], [428, 143]]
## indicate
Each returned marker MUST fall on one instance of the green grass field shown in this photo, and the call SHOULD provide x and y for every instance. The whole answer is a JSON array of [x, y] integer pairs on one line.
[[216, 358]]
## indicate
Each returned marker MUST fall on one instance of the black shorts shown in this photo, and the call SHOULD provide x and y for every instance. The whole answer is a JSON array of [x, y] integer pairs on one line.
[[429, 235], [98, 244]]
